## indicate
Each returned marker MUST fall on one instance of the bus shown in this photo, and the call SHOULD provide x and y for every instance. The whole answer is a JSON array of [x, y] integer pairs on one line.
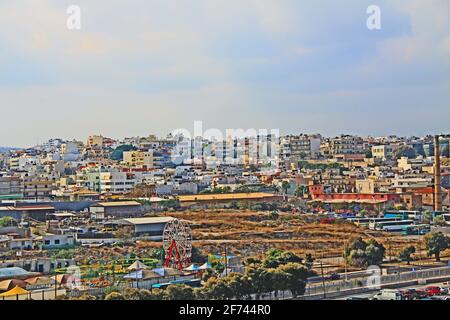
[[418, 229], [360, 221], [374, 221], [393, 226], [404, 214]]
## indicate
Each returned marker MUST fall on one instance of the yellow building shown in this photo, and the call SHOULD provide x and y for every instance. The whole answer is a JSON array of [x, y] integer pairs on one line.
[[95, 141], [138, 158], [382, 152], [366, 186]]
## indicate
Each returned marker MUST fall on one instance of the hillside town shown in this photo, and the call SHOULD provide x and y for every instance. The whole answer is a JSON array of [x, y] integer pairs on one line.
[[93, 218]]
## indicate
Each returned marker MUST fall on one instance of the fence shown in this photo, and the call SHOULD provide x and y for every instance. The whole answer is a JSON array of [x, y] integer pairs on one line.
[[385, 280], [46, 294], [141, 284]]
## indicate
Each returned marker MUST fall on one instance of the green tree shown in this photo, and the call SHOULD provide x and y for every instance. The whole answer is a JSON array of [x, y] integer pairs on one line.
[[257, 277], [276, 280], [217, 289], [111, 289], [240, 285], [179, 292], [198, 256], [296, 280], [209, 273], [114, 296], [298, 192], [427, 216], [439, 221], [275, 257], [405, 254], [309, 262], [362, 254], [436, 243], [8, 222], [137, 294], [374, 252]]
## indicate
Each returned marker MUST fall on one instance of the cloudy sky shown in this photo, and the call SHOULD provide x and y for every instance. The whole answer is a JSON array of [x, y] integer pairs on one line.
[[150, 66]]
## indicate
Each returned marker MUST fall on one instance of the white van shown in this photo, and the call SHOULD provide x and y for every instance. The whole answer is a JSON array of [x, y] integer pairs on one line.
[[388, 294]]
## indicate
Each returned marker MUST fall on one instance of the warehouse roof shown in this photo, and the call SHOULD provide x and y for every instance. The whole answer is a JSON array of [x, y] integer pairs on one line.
[[117, 204], [225, 196], [14, 272], [27, 208], [147, 220]]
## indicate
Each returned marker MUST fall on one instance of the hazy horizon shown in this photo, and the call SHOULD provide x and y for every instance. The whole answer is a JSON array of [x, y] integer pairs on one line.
[[149, 67]]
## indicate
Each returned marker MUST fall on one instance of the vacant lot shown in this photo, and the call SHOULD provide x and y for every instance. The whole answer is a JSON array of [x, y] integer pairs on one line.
[[249, 232]]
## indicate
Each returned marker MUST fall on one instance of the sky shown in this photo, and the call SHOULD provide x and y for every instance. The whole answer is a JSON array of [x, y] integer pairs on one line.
[[141, 67]]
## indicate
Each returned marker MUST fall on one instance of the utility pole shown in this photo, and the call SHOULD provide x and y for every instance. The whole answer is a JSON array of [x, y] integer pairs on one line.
[[323, 280], [56, 285], [345, 260], [419, 249], [226, 260]]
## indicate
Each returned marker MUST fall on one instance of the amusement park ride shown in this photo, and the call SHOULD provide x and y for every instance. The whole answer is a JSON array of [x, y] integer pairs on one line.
[[177, 244]]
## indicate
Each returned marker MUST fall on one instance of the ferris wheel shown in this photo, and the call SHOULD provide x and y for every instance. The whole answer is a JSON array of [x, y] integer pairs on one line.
[[177, 244]]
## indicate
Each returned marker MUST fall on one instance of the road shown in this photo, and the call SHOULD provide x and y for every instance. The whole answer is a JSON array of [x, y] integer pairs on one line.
[[371, 294]]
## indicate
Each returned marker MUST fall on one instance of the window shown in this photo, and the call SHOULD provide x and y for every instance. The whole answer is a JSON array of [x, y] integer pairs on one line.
[[57, 241]]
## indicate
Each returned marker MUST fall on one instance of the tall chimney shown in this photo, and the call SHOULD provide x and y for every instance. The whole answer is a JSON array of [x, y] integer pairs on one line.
[[437, 176]]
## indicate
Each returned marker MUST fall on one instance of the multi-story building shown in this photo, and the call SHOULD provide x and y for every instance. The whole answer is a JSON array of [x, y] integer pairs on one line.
[[117, 182], [138, 158], [346, 144], [299, 146], [382, 152], [35, 187], [10, 186]]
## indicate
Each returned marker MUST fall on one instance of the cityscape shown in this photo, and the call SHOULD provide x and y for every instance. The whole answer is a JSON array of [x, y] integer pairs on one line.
[[142, 219], [224, 159]]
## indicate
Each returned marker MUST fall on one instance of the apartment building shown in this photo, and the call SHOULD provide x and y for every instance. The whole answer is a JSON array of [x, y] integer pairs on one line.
[[299, 146], [406, 164], [34, 187], [95, 140], [382, 152], [138, 158], [10, 186], [117, 182], [345, 144], [88, 178]]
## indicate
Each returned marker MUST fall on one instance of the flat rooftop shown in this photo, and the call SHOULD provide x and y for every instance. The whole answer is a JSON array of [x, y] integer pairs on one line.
[[117, 204], [147, 220], [225, 196]]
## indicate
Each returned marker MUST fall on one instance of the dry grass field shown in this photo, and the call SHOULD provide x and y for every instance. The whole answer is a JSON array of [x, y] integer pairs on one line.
[[251, 233]]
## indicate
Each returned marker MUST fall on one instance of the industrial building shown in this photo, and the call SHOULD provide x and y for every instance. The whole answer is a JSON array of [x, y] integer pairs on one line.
[[119, 209], [152, 227]]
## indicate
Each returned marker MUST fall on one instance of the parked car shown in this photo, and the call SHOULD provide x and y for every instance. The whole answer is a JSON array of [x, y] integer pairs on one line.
[[421, 293], [433, 291], [444, 290], [388, 294], [413, 294], [335, 276]]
